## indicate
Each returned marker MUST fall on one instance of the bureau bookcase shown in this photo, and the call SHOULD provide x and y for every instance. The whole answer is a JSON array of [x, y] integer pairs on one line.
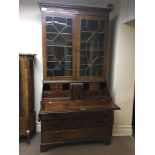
[[76, 105]]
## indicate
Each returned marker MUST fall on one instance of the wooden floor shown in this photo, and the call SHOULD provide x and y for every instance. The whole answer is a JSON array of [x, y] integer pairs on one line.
[[119, 146]]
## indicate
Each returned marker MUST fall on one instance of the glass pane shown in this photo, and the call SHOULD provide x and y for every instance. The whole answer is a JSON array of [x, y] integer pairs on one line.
[[59, 72], [50, 50], [59, 23], [67, 29], [59, 40], [48, 20], [83, 22], [92, 25], [68, 58], [83, 46], [59, 53], [51, 36], [85, 36], [100, 36], [51, 65], [50, 28], [92, 47], [68, 51], [67, 37], [69, 21], [59, 46], [99, 60], [59, 20], [102, 25], [50, 73], [52, 58], [83, 60], [67, 65], [92, 44]]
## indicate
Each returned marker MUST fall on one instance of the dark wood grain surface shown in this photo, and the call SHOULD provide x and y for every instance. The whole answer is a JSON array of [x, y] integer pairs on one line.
[[68, 105], [27, 114]]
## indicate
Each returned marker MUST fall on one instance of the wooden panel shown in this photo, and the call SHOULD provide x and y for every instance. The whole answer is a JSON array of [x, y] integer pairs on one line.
[[74, 9], [55, 89], [76, 134], [56, 94], [23, 123], [72, 115], [74, 123], [20, 92], [32, 122], [67, 105], [27, 111], [31, 87]]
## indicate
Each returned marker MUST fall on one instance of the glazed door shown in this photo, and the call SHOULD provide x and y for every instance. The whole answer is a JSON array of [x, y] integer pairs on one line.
[[92, 48], [74, 47], [58, 47]]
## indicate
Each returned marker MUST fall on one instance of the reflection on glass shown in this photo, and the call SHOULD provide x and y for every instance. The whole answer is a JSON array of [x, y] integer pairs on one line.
[[85, 36], [59, 46], [67, 37], [92, 46], [50, 36], [67, 29], [51, 28]]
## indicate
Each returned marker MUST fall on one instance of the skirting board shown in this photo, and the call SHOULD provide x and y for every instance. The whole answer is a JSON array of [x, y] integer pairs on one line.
[[120, 130]]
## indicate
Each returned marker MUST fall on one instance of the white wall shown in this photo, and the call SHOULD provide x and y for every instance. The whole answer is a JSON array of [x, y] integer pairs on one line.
[[93, 3], [128, 10], [123, 60], [122, 73], [30, 33]]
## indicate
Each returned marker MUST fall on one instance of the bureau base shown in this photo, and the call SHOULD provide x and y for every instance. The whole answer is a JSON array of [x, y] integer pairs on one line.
[[73, 126]]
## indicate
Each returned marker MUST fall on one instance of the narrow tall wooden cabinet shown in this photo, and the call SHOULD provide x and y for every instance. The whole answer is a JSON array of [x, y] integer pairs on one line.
[[76, 104], [26, 95]]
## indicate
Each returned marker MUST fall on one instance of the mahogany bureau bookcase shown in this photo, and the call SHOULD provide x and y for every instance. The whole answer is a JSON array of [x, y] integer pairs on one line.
[[76, 105], [26, 96]]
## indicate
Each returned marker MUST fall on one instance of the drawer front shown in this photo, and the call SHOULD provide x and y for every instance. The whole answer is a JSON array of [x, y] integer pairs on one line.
[[63, 124], [76, 134], [72, 115]]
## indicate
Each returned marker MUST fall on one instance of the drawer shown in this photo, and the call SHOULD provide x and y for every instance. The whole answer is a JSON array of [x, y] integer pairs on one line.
[[76, 134], [63, 124], [72, 115]]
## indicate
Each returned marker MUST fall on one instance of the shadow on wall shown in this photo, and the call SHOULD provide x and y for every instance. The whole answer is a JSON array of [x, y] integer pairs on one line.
[[112, 54]]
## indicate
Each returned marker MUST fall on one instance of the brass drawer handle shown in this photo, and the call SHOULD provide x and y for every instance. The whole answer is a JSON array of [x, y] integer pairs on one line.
[[82, 108]]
